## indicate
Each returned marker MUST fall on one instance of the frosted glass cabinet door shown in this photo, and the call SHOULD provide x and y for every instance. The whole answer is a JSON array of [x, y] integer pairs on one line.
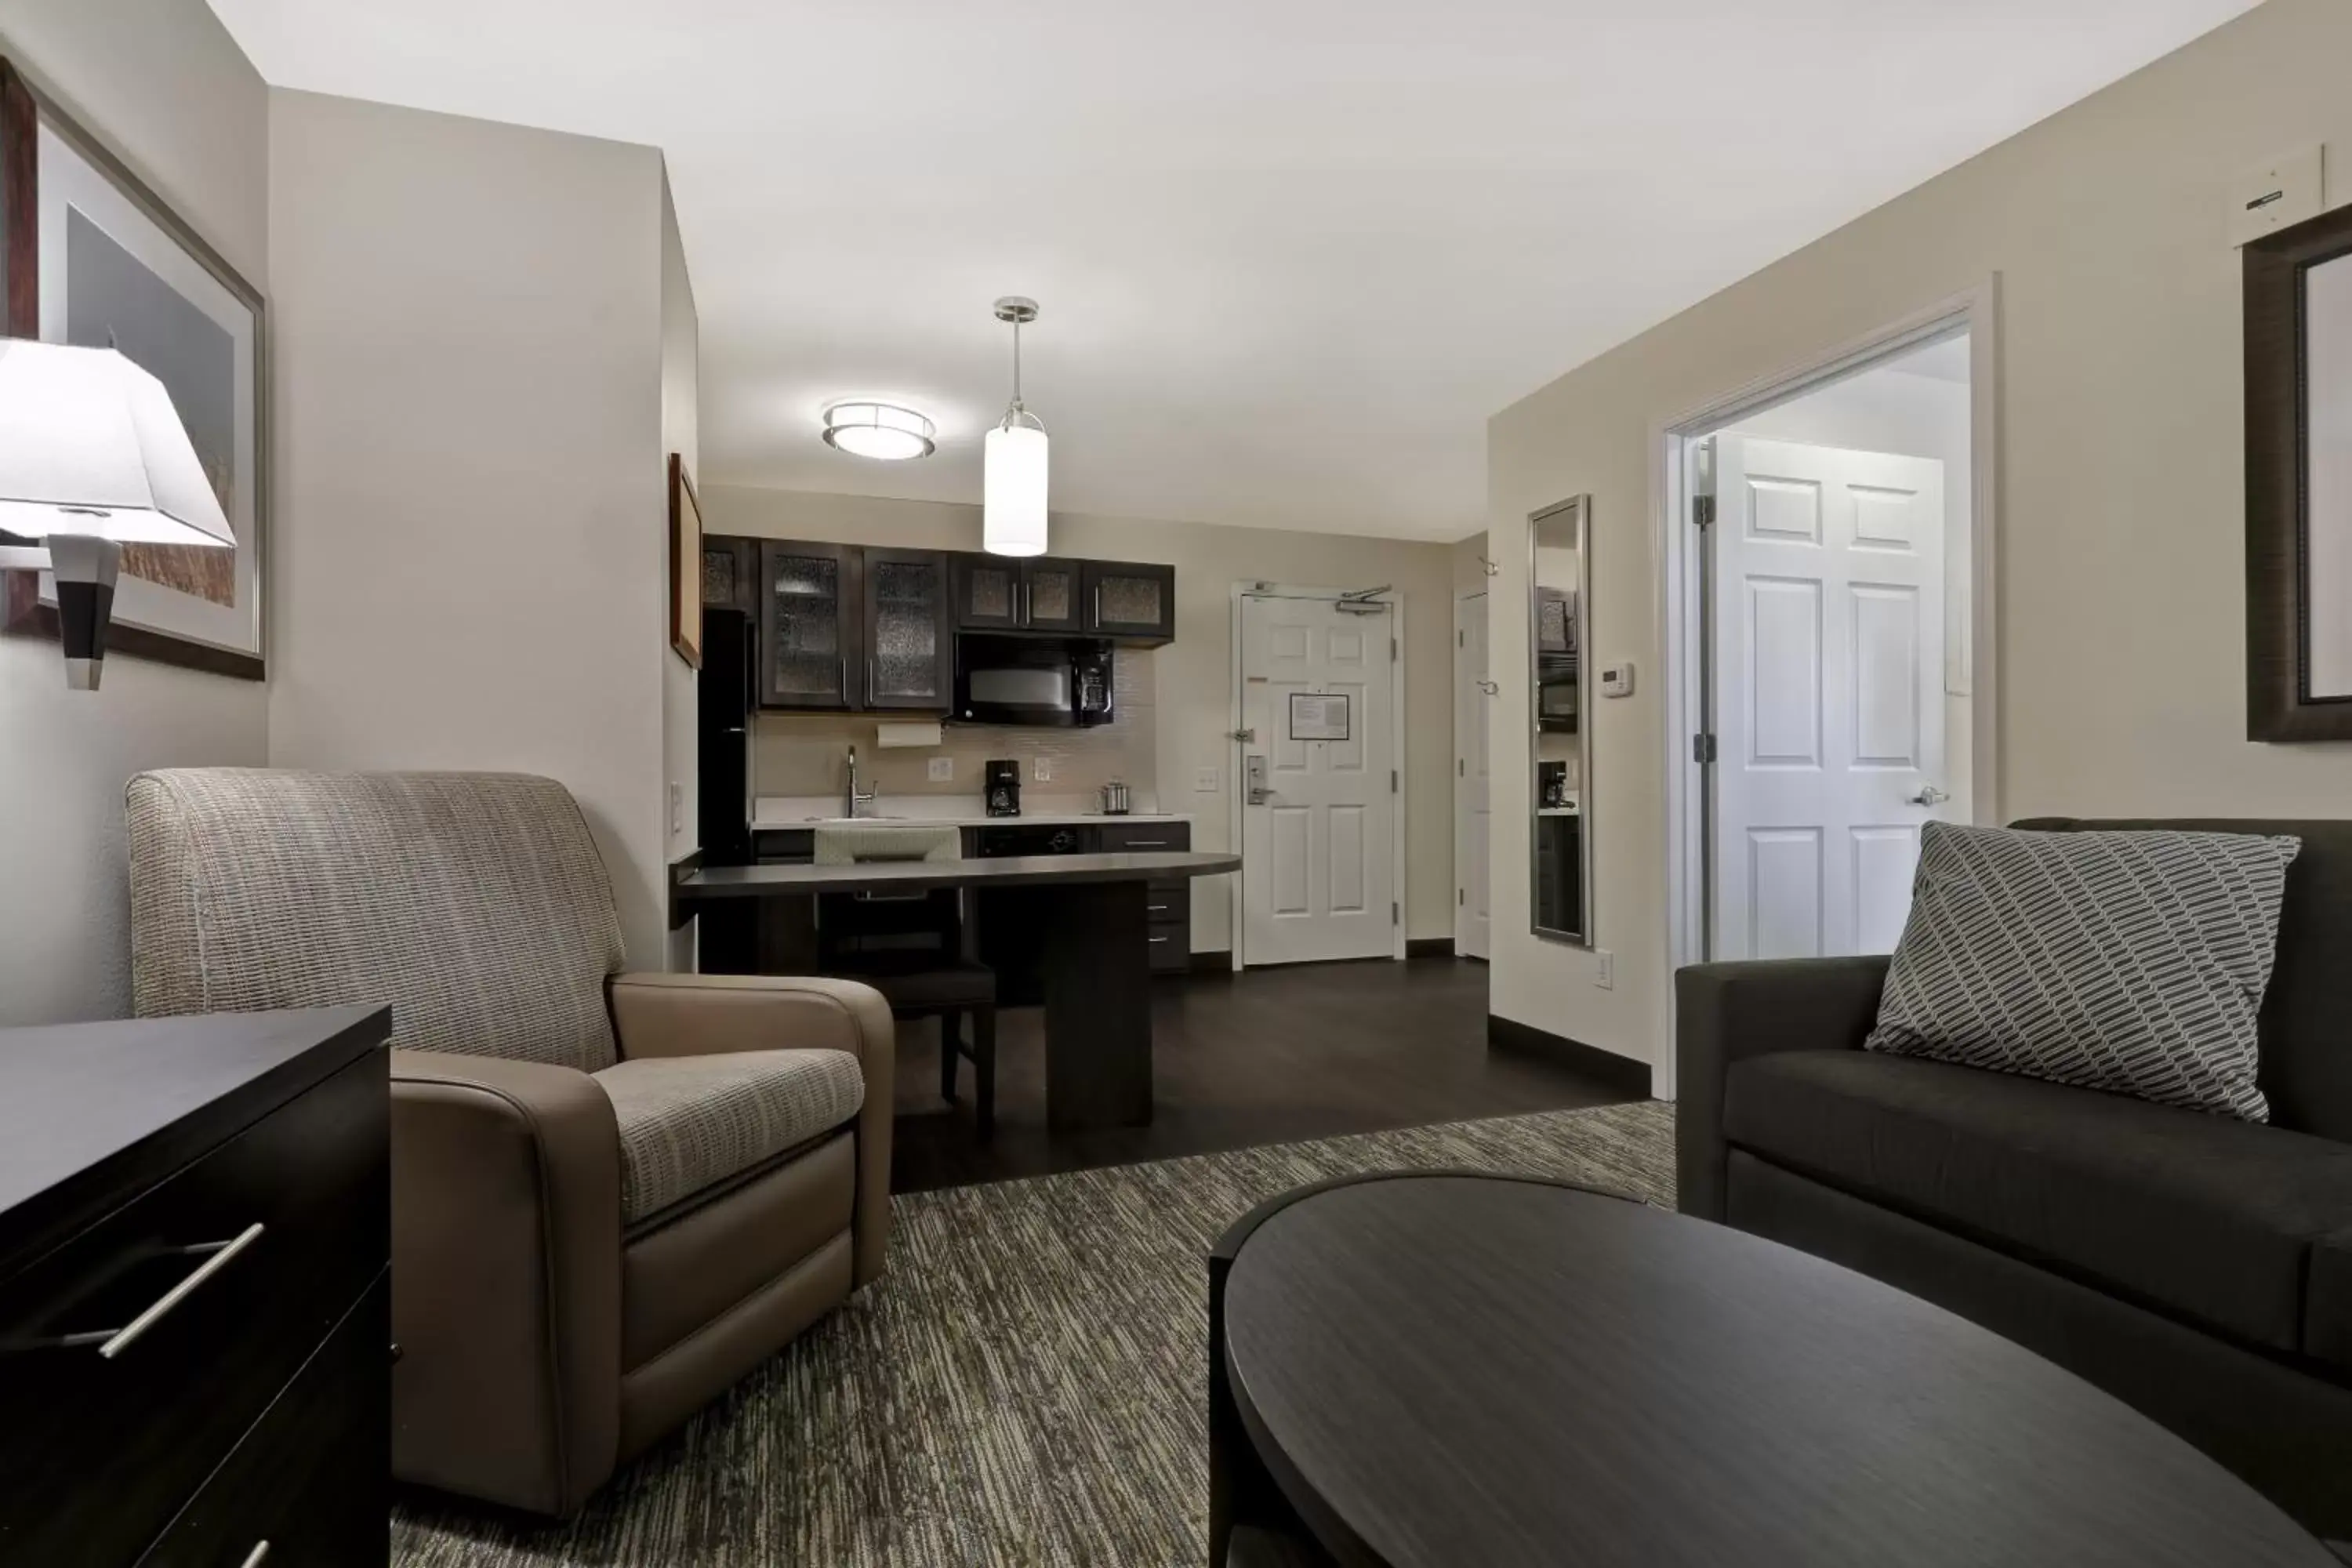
[[908, 652], [993, 592], [810, 651], [1136, 601]]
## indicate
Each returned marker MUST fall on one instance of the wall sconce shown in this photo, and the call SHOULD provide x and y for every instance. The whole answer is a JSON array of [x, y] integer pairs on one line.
[[93, 457]]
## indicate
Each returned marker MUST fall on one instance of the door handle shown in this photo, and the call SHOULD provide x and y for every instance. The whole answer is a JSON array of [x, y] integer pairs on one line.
[[1929, 795], [1254, 776]]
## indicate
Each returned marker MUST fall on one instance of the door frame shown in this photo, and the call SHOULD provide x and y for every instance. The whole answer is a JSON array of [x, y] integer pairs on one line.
[[1236, 789], [1682, 609], [1461, 770]]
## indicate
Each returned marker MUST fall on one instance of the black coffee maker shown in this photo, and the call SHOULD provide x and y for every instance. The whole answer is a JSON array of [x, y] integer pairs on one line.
[[1004, 788]]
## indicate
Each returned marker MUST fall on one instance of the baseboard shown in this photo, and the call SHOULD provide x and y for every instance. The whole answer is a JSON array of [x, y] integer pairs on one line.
[[1429, 947], [1218, 960], [1621, 1073]]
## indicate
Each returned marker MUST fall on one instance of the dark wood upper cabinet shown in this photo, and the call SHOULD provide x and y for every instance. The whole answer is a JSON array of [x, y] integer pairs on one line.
[[908, 650], [812, 648], [994, 594], [1129, 601], [730, 573]]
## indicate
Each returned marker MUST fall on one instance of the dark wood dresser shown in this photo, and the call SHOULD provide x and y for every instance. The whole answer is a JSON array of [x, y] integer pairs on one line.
[[195, 1291]]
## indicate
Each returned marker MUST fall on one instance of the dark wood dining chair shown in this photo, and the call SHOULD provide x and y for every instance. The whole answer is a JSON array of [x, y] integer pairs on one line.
[[910, 949]]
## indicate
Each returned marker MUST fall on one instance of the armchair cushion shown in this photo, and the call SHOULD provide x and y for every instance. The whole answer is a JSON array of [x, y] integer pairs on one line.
[[688, 1121]]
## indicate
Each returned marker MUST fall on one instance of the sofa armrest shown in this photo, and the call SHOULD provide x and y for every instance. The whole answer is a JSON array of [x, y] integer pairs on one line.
[[1727, 1012], [506, 1225], [703, 1015]]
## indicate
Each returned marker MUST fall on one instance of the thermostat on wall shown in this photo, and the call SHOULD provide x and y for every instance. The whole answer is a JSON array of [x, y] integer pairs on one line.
[[1617, 680]]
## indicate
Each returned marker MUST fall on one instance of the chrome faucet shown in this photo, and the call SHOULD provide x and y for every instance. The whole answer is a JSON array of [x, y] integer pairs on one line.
[[857, 797]]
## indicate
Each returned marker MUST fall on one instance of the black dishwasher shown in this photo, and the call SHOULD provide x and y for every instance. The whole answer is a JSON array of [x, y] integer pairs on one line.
[[1009, 923]]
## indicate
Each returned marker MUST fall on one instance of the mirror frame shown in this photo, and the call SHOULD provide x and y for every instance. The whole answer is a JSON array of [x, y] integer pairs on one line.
[[2279, 704], [1581, 508]]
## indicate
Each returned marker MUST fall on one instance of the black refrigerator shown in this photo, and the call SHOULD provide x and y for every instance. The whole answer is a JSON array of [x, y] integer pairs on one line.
[[726, 695]]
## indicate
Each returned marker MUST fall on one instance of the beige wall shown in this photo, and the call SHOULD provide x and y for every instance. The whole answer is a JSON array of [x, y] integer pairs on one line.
[[161, 84], [681, 365], [471, 560], [1195, 674], [2121, 546]]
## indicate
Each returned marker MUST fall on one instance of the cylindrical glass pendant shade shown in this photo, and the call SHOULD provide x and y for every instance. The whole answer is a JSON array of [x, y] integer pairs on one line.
[[1013, 491]]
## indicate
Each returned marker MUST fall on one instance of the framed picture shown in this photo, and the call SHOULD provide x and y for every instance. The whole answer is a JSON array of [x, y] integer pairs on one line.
[[685, 566], [93, 257], [2298, 302]]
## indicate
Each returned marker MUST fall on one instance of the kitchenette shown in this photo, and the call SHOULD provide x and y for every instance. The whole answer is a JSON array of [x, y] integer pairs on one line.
[[884, 727]]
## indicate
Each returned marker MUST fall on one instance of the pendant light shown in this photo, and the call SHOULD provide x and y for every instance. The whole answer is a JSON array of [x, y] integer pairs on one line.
[[1012, 481]]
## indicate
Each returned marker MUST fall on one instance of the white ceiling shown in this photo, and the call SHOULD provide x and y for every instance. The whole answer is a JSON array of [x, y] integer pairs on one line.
[[1291, 253]]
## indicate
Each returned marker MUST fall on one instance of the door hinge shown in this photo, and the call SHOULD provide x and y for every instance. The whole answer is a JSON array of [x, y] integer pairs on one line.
[[1702, 748], [1462, 898], [1461, 640], [1703, 510], [1461, 767], [1392, 651], [1395, 917], [1393, 781]]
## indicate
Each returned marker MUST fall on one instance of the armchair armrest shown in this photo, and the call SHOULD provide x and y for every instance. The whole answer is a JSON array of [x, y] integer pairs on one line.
[[506, 1224], [704, 1015], [1727, 1012]]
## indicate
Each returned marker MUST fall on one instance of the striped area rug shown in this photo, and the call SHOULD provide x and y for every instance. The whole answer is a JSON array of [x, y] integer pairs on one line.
[[1025, 1386]]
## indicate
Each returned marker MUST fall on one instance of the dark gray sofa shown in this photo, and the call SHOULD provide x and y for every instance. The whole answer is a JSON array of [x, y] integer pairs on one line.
[[2196, 1266]]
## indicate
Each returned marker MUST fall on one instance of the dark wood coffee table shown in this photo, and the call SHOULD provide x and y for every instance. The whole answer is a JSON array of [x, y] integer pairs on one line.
[[1453, 1369]]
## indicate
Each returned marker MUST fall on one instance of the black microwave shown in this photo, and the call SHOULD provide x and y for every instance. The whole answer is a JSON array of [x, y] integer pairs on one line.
[[1030, 681]]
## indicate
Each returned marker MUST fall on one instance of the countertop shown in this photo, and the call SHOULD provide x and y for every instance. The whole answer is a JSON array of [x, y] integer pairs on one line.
[[777, 881], [772, 813]]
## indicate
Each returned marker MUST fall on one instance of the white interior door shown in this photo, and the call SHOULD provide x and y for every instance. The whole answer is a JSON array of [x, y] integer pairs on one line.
[[1473, 714], [1318, 828], [1828, 626]]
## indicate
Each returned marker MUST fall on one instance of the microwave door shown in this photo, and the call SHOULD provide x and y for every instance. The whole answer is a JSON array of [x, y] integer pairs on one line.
[[1025, 693]]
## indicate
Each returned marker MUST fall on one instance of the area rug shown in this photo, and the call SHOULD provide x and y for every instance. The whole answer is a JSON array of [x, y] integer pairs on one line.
[[1026, 1385]]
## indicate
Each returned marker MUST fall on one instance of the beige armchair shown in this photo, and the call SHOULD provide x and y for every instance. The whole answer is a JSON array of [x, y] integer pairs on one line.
[[612, 1195]]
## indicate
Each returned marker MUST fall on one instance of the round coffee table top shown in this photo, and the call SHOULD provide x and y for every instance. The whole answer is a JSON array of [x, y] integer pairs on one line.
[[1452, 1369]]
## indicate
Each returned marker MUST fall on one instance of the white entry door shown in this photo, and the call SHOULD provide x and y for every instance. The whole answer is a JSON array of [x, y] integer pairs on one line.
[[1319, 804], [1828, 624], [1473, 714]]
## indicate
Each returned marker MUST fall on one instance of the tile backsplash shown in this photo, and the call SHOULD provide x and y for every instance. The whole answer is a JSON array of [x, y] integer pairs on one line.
[[804, 753]]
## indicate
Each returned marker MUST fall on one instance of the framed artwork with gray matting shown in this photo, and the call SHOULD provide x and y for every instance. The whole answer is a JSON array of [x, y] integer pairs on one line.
[[92, 256]]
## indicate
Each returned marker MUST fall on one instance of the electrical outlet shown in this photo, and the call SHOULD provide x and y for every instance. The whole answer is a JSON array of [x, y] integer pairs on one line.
[[1041, 769], [676, 806], [1604, 968], [1204, 780], [942, 769]]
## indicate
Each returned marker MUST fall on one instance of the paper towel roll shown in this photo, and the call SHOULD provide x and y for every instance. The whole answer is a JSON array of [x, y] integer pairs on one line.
[[916, 732]]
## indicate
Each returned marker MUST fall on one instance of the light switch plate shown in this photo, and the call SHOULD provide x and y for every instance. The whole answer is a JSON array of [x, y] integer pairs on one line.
[[676, 806], [2276, 195], [942, 769], [1204, 780], [1604, 968]]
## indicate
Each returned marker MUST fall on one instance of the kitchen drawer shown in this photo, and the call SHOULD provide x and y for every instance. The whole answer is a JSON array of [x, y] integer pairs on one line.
[[1167, 901], [1143, 837], [1170, 948], [310, 1482], [238, 1266]]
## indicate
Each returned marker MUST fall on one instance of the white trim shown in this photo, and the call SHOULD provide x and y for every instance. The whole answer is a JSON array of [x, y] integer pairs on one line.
[[1976, 310], [1395, 602], [1462, 773]]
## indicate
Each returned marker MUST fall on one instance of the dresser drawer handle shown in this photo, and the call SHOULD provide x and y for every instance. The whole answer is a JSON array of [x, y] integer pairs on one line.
[[258, 1556], [222, 1251]]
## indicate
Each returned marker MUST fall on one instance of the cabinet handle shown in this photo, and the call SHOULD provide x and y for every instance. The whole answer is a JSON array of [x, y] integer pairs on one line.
[[258, 1556], [1098, 606], [869, 680], [1157, 909], [1147, 844], [222, 1251], [1158, 940]]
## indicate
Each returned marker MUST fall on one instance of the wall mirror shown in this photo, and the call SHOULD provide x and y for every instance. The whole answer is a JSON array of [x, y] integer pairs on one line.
[[2298, 297], [1558, 686]]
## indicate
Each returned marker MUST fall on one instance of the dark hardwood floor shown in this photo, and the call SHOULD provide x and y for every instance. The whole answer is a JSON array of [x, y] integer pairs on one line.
[[1271, 1056]]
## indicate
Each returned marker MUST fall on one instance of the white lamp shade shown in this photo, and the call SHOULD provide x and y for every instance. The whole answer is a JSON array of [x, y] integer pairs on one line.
[[1013, 491], [89, 444]]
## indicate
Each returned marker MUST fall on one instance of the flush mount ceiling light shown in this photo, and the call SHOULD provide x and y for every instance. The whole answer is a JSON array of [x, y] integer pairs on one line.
[[1012, 478], [882, 431]]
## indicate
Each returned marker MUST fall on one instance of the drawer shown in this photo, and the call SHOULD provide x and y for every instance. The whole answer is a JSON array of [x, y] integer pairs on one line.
[[230, 1272], [1167, 901], [1144, 837], [310, 1482], [1170, 948]]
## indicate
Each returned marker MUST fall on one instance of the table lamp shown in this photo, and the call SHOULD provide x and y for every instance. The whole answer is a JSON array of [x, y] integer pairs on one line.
[[92, 457]]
